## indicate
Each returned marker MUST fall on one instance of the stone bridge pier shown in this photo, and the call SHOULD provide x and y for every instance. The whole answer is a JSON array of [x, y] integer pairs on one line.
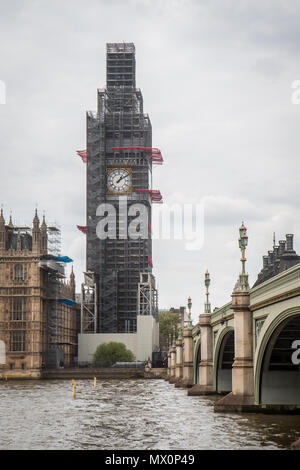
[[172, 377], [179, 360], [205, 362], [187, 380], [181, 370], [169, 366], [242, 395]]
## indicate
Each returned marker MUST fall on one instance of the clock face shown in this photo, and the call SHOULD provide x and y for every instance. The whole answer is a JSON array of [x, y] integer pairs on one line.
[[119, 180]]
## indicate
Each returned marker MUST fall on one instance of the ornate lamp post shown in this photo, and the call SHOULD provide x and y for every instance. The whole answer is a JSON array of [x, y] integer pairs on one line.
[[179, 333], [189, 320], [243, 283], [187, 381], [207, 306], [242, 395], [173, 357], [179, 358], [174, 336], [204, 386]]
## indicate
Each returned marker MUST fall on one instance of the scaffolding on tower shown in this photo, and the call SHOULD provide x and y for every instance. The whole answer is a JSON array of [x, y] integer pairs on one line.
[[155, 158], [55, 299], [155, 194], [155, 153], [147, 295], [89, 304], [119, 135], [54, 239]]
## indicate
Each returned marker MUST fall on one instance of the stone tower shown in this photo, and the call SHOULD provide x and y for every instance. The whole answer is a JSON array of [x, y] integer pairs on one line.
[[118, 174]]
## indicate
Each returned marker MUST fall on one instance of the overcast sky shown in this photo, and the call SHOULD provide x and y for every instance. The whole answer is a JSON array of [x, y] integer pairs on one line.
[[216, 78]]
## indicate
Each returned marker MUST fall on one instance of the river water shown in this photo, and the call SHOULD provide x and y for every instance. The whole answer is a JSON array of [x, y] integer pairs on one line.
[[129, 414]]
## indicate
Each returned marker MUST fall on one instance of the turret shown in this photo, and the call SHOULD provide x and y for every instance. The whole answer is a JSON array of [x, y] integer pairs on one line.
[[19, 245], [282, 244], [271, 257], [72, 283], [36, 234], [43, 237], [10, 224], [2, 231], [265, 261], [290, 243]]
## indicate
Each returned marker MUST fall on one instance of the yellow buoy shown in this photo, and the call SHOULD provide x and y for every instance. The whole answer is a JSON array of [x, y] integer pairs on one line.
[[95, 382], [74, 388]]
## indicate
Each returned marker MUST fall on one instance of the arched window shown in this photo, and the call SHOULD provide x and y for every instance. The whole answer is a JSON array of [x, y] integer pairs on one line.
[[18, 272]]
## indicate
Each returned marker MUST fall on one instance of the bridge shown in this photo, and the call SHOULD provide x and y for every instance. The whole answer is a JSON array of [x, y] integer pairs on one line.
[[247, 351]]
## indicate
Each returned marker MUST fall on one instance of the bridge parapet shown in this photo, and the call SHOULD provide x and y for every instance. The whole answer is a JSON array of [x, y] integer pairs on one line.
[[219, 315]]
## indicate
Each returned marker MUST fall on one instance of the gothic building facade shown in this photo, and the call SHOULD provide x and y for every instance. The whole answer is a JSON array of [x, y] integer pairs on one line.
[[38, 321]]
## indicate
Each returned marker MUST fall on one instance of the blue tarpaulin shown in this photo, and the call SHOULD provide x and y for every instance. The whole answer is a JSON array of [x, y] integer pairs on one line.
[[67, 302], [64, 259]]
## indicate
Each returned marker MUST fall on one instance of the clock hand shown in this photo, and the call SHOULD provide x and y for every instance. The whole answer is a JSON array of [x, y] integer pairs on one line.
[[122, 177]]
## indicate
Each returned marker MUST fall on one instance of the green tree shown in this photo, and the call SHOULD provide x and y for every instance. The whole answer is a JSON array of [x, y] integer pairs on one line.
[[167, 321], [107, 354]]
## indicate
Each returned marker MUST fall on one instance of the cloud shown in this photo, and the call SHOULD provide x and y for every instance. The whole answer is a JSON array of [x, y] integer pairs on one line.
[[216, 79]]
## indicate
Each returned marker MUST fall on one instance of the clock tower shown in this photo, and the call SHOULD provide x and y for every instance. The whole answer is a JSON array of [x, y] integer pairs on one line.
[[119, 285]]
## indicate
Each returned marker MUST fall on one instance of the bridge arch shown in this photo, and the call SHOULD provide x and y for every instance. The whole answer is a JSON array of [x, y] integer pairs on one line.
[[223, 360], [2, 352], [277, 379], [197, 360]]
